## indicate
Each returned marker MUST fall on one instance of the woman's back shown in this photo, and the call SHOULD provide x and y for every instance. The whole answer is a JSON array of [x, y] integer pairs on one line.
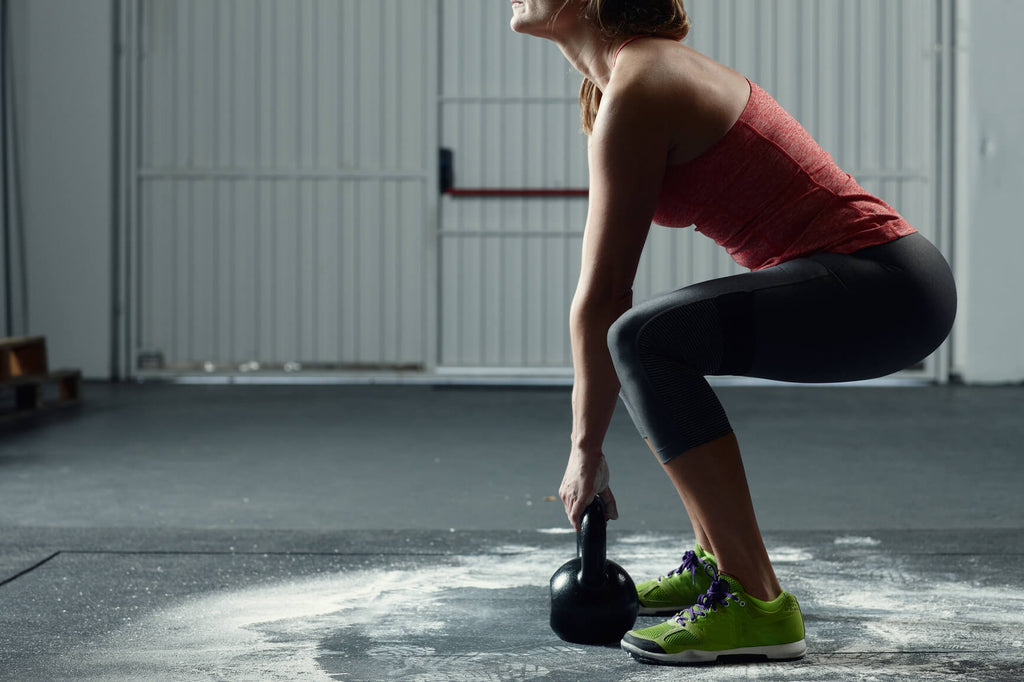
[[755, 181]]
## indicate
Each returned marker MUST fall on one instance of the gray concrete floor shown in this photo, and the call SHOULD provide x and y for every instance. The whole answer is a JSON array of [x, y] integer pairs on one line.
[[405, 532]]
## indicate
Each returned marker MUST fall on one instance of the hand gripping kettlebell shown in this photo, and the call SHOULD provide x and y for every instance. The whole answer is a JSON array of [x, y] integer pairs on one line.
[[593, 600]]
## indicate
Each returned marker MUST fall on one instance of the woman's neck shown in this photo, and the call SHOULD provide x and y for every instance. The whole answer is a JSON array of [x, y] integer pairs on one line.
[[594, 62], [589, 53]]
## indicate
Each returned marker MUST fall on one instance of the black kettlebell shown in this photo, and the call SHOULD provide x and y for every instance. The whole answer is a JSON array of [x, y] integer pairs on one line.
[[593, 600]]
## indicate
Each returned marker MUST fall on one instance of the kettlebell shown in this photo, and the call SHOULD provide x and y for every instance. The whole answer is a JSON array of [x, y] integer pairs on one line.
[[593, 600]]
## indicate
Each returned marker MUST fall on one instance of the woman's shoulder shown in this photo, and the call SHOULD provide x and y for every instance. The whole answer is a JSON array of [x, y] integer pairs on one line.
[[645, 79], [698, 98], [666, 69], [645, 66]]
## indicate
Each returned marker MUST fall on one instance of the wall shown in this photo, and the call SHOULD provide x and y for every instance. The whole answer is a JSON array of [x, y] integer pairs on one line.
[[990, 239], [5, 328], [63, 52], [63, 58], [862, 77], [286, 170]]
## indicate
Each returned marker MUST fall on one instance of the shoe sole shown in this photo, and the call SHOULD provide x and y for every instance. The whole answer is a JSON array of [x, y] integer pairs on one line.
[[775, 652]]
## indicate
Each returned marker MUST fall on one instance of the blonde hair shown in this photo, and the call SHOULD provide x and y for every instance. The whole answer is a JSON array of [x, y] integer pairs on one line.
[[622, 19]]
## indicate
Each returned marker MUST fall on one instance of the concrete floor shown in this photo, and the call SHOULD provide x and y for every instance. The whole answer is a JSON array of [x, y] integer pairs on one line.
[[405, 532]]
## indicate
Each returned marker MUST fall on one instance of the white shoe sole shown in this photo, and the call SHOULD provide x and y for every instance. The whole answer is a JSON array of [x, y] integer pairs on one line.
[[775, 652]]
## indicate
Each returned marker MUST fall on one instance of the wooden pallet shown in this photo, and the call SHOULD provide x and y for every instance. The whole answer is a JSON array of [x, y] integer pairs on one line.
[[24, 370]]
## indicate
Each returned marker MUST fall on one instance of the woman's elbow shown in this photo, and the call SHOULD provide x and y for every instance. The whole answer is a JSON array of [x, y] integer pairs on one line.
[[604, 306]]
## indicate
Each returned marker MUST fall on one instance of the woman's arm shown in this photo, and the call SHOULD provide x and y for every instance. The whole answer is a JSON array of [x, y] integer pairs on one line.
[[627, 156]]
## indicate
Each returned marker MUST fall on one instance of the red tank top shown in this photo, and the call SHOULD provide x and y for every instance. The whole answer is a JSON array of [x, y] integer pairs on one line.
[[768, 193]]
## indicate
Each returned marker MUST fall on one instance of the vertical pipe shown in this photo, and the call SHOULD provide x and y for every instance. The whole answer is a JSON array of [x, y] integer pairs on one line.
[[299, 184], [256, 161], [192, 117], [215, 160], [4, 197], [133, 208], [115, 199], [173, 155], [434, 310], [481, 72], [885, 59], [900, 90], [233, 304], [386, 54], [955, 241], [499, 72], [13, 222], [357, 160], [315, 162], [459, 252], [816, 79], [273, 249], [340, 163], [276, 185]]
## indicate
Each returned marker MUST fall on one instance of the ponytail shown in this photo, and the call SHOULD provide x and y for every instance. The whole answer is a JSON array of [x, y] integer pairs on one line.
[[590, 101]]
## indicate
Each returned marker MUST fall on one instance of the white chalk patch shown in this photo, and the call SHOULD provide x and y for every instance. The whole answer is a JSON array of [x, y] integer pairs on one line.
[[409, 623], [898, 611], [512, 549], [649, 555], [788, 555], [276, 630], [663, 540], [857, 541]]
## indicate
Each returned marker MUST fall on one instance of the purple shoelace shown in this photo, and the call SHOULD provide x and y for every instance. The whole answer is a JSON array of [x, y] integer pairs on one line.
[[718, 593], [691, 562]]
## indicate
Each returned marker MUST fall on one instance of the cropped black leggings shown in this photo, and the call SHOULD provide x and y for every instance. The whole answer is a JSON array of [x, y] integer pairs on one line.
[[824, 318]]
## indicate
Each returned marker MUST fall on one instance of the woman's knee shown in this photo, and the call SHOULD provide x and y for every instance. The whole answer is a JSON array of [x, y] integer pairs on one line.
[[688, 336], [624, 334]]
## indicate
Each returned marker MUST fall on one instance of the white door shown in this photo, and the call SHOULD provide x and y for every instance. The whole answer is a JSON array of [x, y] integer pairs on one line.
[[282, 162]]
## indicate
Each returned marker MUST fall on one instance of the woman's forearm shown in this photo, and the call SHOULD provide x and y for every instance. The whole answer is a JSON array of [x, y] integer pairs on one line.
[[595, 385]]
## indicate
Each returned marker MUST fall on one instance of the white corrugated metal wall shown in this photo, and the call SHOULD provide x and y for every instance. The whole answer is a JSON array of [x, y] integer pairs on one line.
[[286, 209], [284, 152], [508, 266], [860, 75]]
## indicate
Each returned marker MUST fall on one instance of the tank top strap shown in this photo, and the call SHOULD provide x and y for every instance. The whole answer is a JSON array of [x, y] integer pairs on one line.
[[616, 57]]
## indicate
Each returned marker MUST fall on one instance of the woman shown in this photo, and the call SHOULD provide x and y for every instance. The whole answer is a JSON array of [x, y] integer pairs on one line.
[[840, 288]]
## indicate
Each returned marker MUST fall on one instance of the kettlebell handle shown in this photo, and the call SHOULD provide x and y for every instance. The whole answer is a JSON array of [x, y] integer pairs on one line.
[[591, 545]]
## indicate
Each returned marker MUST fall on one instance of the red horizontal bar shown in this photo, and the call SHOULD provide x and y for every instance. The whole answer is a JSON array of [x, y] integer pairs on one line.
[[503, 192]]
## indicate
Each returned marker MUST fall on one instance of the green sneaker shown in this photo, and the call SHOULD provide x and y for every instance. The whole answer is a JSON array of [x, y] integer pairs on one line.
[[679, 589], [725, 621]]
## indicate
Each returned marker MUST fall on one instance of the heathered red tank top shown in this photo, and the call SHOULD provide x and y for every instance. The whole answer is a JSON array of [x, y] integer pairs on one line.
[[768, 193]]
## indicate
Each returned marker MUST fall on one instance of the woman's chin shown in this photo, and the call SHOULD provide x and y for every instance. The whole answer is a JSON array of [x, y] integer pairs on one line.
[[527, 28]]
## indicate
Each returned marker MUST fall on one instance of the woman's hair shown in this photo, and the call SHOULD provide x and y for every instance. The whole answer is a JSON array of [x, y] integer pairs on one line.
[[622, 19]]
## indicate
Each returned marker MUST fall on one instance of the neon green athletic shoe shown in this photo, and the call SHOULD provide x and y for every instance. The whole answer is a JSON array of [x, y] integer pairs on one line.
[[725, 621], [679, 589]]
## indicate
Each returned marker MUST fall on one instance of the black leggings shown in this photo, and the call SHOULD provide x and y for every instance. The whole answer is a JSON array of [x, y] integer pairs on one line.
[[825, 318]]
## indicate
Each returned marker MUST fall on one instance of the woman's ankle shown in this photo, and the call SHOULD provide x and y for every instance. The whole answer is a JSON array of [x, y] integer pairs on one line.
[[757, 577]]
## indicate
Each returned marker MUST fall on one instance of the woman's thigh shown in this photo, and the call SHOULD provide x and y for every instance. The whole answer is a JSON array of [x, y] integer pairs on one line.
[[829, 317], [877, 311]]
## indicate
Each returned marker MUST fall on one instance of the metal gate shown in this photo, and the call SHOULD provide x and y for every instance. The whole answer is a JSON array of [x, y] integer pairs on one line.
[[280, 167], [280, 175], [863, 76]]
